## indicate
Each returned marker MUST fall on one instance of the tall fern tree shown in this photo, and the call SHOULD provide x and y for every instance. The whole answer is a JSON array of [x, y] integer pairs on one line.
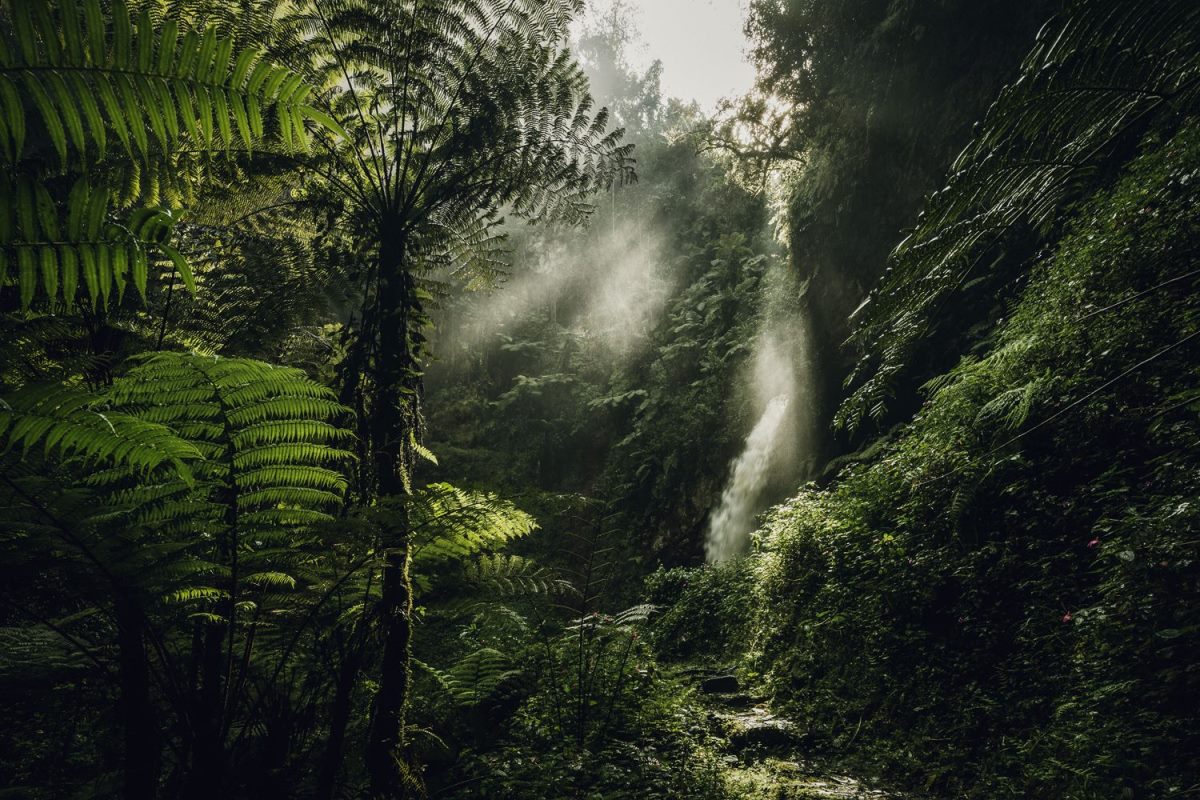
[[455, 110], [449, 528], [273, 466], [48, 434]]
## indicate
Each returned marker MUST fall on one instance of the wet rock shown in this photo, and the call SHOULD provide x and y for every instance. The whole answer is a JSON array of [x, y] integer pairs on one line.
[[721, 684], [763, 733]]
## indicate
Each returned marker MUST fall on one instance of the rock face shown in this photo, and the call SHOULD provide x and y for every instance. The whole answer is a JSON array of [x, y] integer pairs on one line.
[[720, 684]]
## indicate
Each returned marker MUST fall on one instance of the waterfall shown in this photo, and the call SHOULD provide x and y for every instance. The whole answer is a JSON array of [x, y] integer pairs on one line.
[[731, 523], [781, 450]]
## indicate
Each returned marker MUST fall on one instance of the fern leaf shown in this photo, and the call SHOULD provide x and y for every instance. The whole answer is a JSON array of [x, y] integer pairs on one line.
[[69, 424]]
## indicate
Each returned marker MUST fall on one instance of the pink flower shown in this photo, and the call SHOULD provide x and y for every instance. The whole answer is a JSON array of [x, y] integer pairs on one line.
[[1067, 617], [1094, 542]]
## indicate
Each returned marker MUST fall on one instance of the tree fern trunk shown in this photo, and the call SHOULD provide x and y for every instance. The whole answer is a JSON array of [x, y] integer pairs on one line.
[[207, 774], [396, 377], [393, 426], [385, 748], [142, 741]]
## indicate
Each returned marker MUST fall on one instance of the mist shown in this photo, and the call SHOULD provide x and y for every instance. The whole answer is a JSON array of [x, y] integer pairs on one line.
[[607, 284]]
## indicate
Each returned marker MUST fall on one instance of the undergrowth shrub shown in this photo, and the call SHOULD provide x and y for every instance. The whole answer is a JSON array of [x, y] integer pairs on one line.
[[703, 611], [598, 721]]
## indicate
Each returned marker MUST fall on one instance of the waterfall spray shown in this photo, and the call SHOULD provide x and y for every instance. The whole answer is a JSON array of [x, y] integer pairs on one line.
[[733, 520]]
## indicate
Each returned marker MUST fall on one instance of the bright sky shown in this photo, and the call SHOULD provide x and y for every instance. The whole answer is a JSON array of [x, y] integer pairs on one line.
[[700, 43]]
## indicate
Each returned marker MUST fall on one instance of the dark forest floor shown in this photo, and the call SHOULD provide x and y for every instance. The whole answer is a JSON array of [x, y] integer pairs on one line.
[[764, 753]]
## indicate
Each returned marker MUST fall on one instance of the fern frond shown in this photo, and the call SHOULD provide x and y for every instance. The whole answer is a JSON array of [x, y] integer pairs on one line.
[[513, 576], [91, 72], [476, 677], [77, 244], [451, 524], [267, 432], [37, 654], [67, 423]]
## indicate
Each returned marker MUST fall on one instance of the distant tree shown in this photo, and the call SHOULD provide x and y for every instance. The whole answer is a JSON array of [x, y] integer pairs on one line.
[[635, 97]]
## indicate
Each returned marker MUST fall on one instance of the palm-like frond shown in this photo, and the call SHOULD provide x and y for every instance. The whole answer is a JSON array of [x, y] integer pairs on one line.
[[91, 72], [476, 677], [61, 249], [502, 575], [77, 78], [1098, 76], [272, 453], [452, 524], [64, 423], [456, 109]]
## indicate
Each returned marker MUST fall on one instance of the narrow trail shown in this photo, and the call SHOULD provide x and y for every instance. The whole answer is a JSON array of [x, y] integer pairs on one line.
[[765, 754]]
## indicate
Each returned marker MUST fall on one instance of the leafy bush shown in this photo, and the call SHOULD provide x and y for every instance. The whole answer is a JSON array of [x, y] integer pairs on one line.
[[704, 611]]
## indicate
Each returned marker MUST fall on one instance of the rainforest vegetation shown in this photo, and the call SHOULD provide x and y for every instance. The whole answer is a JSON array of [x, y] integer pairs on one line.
[[407, 399]]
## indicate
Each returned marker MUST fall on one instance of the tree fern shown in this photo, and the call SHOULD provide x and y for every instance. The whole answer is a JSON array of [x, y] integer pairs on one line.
[[453, 111]]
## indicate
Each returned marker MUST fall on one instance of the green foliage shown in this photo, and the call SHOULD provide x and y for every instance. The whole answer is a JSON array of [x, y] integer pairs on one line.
[[37, 655], [705, 612], [643, 415], [196, 506], [1097, 77], [81, 75], [599, 721], [180, 501], [451, 524], [667, 474], [78, 243], [92, 71], [211, 587], [1009, 587], [69, 424], [272, 458], [476, 677]]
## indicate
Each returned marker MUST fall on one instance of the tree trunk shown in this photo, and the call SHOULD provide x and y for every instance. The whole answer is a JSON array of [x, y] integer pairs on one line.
[[397, 387], [206, 778], [393, 411], [385, 750], [339, 719], [143, 756]]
